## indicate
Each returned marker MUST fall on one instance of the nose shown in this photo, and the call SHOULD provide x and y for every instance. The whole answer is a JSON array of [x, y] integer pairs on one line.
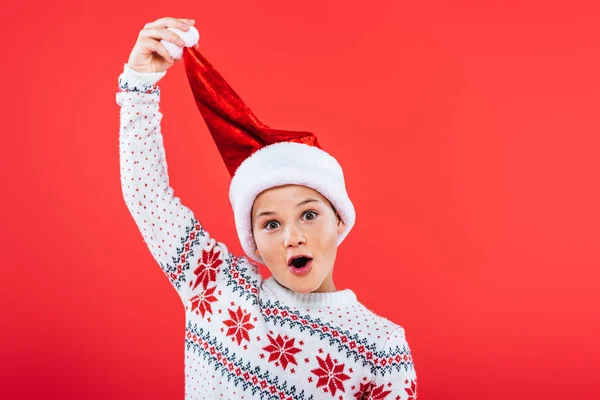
[[293, 236]]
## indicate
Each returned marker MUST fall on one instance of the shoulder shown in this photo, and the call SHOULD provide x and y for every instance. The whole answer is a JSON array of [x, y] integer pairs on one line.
[[396, 341], [392, 346], [241, 271], [387, 330]]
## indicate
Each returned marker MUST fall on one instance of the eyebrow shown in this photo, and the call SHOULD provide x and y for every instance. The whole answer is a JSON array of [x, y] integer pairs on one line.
[[297, 205]]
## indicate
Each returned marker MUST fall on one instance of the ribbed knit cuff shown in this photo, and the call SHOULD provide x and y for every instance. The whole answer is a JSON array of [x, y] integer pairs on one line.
[[344, 297], [144, 82]]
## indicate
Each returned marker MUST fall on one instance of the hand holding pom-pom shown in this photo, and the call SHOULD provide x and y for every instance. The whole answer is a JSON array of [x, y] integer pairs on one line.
[[161, 43]]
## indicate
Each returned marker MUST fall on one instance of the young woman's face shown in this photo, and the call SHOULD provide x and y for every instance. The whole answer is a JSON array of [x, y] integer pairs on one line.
[[291, 220]]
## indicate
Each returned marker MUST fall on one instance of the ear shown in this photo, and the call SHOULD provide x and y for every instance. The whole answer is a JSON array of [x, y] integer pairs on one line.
[[341, 226], [257, 252]]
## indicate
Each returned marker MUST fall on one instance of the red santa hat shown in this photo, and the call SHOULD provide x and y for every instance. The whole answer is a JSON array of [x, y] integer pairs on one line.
[[258, 157]]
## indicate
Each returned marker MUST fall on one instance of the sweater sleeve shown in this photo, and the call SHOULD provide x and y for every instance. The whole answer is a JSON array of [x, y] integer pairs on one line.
[[186, 253], [395, 378]]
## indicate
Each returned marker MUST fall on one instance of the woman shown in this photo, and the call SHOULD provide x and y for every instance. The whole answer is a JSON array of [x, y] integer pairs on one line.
[[293, 335]]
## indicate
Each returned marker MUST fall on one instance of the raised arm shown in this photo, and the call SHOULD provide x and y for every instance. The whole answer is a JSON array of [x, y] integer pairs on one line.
[[186, 253]]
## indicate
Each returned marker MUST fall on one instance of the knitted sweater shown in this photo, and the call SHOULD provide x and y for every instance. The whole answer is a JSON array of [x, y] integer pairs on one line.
[[247, 337]]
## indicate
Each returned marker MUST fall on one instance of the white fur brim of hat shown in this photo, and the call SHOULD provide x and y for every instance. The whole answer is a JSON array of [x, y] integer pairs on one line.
[[286, 163]]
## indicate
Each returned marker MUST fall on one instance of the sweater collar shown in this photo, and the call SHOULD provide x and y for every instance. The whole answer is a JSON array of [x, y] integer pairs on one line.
[[309, 300]]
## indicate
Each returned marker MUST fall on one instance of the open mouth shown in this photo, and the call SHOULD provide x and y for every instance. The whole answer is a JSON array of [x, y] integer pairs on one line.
[[299, 262]]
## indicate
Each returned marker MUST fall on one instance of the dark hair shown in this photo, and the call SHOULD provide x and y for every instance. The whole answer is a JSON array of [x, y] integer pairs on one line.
[[334, 210]]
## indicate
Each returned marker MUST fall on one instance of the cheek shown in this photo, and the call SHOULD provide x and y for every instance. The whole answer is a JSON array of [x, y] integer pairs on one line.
[[265, 244], [326, 227], [324, 235]]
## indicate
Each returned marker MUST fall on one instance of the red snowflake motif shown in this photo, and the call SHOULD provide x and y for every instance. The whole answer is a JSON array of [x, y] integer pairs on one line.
[[206, 271], [331, 375], [369, 391], [201, 302], [282, 350], [412, 390], [239, 324], [363, 391]]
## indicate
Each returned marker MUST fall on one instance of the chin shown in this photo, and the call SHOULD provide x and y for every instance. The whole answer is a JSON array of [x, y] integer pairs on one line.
[[303, 285], [304, 289]]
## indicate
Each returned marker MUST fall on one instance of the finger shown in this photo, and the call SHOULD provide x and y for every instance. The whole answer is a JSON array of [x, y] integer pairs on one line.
[[163, 33], [159, 48], [168, 22]]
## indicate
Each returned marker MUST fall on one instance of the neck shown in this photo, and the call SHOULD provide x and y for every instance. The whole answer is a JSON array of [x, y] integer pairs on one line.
[[326, 286]]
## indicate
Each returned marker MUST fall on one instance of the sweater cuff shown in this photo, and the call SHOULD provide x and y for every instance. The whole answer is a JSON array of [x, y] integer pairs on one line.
[[144, 82]]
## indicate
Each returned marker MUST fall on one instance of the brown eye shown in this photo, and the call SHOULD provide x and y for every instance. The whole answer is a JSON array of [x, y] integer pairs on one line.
[[311, 212], [269, 224]]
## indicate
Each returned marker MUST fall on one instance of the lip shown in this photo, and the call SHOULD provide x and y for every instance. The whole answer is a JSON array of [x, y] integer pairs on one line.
[[301, 271]]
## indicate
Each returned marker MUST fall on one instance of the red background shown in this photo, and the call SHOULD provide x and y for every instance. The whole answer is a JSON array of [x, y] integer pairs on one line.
[[468, 133]]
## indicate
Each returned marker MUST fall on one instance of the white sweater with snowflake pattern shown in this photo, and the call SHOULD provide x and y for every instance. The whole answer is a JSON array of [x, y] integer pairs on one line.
[[247, 337]]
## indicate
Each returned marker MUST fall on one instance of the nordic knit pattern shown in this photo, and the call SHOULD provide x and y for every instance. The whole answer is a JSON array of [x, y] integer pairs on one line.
[[247, 337]]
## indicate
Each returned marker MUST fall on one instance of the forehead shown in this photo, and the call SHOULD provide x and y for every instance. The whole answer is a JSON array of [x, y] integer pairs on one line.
[[285, 195]]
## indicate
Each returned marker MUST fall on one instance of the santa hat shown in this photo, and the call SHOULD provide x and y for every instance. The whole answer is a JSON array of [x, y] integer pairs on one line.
[[258, 157]]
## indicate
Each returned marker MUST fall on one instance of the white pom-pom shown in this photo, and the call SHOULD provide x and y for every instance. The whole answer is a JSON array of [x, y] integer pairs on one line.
[[174, 50], [190, 37]]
